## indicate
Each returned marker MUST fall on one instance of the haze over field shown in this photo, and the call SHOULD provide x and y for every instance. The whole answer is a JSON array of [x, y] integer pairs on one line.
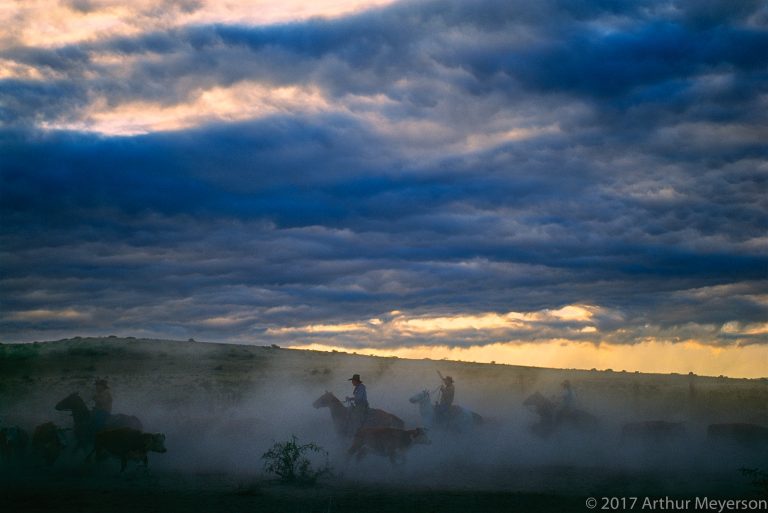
[[222, 406], [568, 184]]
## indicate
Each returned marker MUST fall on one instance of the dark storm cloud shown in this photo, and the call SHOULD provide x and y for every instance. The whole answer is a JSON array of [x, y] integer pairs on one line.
[[503, 45], [646, 199]]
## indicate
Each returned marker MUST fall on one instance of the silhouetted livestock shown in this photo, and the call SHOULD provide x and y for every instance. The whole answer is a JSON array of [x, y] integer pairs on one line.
[[457, 419], [554, 417], [127, 444], [341, 416], [389, 442], [82, 418], [48, 441], [747, 435]]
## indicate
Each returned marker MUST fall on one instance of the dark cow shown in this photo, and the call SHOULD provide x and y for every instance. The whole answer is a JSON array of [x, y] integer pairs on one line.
[[48, 440], [653, 431], [127, 444], [744, 434], [389, 442]]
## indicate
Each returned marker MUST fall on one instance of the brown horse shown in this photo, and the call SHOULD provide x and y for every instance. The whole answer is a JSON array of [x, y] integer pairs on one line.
[[84, 427], [342, 419]]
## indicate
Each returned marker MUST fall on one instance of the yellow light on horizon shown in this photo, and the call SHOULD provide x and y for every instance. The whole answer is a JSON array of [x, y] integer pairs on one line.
[[649, 357]]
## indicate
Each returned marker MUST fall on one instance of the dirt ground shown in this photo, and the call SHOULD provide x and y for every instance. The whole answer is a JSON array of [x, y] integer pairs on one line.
[[171, 493], [222, 406]]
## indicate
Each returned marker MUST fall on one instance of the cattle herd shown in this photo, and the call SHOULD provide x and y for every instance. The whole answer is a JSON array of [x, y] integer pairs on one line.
[[122, 436]]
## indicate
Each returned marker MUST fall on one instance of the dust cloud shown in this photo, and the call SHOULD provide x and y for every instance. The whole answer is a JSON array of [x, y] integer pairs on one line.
[[222, 406]]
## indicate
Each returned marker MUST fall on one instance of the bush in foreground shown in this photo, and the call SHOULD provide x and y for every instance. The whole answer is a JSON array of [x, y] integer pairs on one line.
[[292, 462]]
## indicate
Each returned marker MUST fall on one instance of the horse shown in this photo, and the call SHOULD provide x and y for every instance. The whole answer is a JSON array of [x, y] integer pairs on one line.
[[458, 419], [552, 418], [82, 417], [342, 421]]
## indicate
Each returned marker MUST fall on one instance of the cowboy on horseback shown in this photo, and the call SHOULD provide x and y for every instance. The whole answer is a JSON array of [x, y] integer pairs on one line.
[[102, 408], [358, 403], [445, 399]]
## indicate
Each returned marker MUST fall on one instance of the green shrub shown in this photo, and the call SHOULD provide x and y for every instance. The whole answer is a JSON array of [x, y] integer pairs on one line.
[[292, 464]]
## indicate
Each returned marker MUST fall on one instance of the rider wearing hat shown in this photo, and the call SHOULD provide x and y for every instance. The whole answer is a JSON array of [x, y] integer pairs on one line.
[[445, 400], [358, 402], [102, 408]]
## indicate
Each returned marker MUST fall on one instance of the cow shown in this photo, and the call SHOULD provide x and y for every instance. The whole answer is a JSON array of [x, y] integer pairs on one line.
[[389, 442], [127, 443], [48, 440], [743, 434], [653, 431]]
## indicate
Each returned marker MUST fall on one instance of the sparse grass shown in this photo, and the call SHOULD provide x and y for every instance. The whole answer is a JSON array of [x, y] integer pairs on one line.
[[758, 478]]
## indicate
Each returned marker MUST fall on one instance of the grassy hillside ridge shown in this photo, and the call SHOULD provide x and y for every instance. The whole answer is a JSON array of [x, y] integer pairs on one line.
[[223, 405], [169, 372]]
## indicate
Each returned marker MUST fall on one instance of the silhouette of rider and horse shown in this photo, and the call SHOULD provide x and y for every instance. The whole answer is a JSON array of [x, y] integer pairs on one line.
[[87, 422], [555, 415], [356, 414], [348, 419], [443, 413]]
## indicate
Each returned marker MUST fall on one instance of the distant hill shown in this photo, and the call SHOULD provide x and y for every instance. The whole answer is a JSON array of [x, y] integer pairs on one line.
[[173, 372]]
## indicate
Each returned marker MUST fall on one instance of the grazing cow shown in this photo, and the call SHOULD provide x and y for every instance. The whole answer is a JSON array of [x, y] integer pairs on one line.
[[652, 431], [747, 435], [389, 442], [48, 440], [127, 443]]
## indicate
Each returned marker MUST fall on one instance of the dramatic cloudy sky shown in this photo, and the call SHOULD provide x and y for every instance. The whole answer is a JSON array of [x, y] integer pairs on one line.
[[487, 179]]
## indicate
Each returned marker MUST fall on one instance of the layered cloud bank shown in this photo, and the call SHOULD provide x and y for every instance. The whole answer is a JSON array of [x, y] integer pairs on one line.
[[386, 175]]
